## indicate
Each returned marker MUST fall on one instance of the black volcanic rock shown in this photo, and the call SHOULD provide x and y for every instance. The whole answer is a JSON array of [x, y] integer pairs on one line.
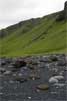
[[19, 63], [63, 14], [65, 10]]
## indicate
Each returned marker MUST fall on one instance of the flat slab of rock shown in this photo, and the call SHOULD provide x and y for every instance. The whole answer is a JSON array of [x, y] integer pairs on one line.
[[21, 79], [43, 87]]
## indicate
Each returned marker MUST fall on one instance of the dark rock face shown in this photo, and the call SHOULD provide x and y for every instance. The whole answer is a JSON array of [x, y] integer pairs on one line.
[[63, 14], [65, 10]]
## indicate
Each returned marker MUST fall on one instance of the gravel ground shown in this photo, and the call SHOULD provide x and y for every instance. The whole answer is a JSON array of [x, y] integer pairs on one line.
[[21, 77]]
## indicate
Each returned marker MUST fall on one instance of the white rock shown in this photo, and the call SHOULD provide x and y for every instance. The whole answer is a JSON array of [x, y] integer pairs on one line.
[[29, 97], [53, 80], [7, 72], [59, 77]]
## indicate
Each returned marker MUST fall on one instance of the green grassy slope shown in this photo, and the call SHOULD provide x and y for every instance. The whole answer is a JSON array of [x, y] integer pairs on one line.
[[41, 36]]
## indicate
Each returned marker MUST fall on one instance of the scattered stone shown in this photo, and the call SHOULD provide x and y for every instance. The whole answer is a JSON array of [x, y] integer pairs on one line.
[[29, 97], [30, 66], [53, 92], [59, 84], [7, 72], [8, 60], [2, 70], [22, 70], [53, 80], [14, 70], [37, 90], [25, 68], [14, 74], [21, 79], [45, 59], [62, 63], [10, 66], [19, 64], [61, 73], [11, 81], [1, 93], [43, 87], [59, 77], [3, 62], [34, 77], [20, 74], [65, 69], [53, 58]]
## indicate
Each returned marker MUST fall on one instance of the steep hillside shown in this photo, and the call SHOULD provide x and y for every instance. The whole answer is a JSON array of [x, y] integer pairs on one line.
[[36, 36]]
